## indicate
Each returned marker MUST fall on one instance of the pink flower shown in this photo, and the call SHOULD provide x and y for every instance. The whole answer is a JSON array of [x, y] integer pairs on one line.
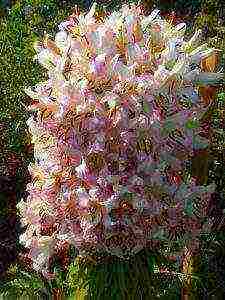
[[108, 95], [98, 67]]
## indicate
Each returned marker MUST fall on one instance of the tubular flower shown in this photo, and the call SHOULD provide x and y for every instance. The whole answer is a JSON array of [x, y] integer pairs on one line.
[[115, 125]]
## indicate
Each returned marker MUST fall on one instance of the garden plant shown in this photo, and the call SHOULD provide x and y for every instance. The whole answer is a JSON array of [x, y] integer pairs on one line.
[[122, 132]]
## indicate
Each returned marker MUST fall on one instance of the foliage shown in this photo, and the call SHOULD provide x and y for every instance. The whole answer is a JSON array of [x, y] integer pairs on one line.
[[19, 28], [21, 283], [211, 19], [109, 279]]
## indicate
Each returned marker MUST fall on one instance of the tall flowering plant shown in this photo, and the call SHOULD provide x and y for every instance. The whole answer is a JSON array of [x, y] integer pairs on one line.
[[113, 129]]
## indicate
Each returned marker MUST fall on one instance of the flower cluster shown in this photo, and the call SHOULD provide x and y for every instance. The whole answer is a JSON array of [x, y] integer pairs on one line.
[[113, 128]]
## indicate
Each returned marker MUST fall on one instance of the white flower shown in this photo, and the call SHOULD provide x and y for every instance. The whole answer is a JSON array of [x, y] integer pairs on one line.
[[148, 20], [45, 243], [46, 58], [193, 42], [171, 53], [82, 169], [22, 206], [83, 197], [63, 237], [61, 40], [93, 192], [90, 15], [162, 74], [27, 237], [31, 94], [179, 68], [180, 29], [39, 262], [38, 207]]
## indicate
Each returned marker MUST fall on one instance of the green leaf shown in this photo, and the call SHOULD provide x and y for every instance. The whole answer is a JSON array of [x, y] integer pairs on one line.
[[221, 97], [192, 124], [170, 64], [146, 107], [189, 208], [151, 263], [112, 103]]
